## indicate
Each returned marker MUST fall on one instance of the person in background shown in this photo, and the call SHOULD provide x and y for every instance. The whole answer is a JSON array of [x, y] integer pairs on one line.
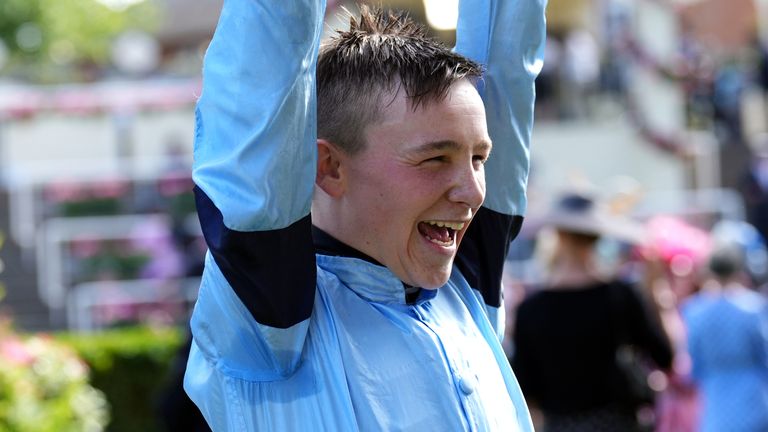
[[727, 329], [754, 189], [568, 334], [345, 288], [674, 254]]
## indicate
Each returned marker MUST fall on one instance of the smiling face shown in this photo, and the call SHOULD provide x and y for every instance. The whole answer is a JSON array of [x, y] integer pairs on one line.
[[411, 193]]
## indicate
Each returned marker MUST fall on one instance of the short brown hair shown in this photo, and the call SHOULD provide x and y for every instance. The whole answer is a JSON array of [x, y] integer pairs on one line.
[[380, 54]]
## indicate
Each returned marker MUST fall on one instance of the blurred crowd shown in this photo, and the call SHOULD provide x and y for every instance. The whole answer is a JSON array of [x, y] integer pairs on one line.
[[661, 322], [626, 325], [723, 87]]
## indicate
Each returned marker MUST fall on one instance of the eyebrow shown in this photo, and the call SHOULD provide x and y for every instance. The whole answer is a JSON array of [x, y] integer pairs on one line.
[[447, 145]]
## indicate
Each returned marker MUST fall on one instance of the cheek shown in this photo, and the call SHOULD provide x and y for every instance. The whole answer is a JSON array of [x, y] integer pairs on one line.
[[382, 204], [397, 197]]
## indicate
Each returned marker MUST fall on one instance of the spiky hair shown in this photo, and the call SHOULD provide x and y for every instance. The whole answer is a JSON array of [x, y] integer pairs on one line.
[[381, 54]]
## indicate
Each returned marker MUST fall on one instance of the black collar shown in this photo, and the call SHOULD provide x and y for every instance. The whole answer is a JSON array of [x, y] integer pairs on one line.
[[325, 244]]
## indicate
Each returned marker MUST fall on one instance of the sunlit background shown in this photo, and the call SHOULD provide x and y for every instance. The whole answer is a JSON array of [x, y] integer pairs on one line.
[[660, 105]]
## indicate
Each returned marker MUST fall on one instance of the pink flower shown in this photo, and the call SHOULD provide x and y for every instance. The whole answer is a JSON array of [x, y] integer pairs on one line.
[[15, 352], [85, 247], [114, 188], [64, 191]]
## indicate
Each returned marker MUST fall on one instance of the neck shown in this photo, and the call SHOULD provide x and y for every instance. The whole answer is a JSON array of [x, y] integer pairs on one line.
[[573, 271], [325, 215], [330, 215], [329, 221]]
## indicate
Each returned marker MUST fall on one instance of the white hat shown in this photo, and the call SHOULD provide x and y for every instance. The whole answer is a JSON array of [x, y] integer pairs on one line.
[[580, 213]]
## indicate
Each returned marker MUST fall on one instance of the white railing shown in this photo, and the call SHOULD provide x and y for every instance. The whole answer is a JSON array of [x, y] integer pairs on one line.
[[90, 304], [54, 233]]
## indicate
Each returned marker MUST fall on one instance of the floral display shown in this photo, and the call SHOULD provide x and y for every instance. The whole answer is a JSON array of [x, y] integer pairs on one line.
[[44, 387]]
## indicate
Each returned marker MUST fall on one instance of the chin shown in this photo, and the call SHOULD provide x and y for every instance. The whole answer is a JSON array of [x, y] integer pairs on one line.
[[434, 280]]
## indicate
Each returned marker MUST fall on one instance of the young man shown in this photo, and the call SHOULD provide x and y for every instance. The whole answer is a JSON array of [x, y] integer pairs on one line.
[[379, 309]]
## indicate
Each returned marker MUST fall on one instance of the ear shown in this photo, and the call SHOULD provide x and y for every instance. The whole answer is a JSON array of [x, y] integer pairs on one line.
[[329, 176]]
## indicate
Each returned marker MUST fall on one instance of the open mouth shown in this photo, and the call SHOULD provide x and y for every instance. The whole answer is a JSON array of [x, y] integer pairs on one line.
[[439, 232]]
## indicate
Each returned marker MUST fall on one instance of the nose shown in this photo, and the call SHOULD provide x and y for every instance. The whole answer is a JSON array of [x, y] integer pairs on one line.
[[468, 187]]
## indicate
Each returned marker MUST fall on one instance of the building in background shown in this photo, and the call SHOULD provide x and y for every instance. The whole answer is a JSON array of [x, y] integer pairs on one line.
[[626, 98]]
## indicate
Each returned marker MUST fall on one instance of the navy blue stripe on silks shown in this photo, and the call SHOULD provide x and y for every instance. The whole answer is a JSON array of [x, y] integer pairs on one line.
[[272, 272], [483, 251]]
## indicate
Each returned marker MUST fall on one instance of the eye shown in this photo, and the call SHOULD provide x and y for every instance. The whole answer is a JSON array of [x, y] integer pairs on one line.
[[479, 159], [436, 159]]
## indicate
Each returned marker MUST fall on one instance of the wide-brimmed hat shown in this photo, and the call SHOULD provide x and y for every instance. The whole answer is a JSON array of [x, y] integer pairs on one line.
[[582, 213]]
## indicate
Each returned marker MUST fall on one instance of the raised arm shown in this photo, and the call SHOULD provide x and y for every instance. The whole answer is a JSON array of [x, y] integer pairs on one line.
[[507, 38], [254, 171]]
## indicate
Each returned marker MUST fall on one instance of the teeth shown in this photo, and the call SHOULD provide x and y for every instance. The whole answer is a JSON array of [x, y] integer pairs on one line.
[[456, 226]]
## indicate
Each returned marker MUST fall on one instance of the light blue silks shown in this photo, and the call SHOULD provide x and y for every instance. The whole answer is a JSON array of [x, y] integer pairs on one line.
[[364, 360], [370, 362]]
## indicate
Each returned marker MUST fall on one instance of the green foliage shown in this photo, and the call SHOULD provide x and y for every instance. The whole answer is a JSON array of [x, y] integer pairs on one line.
[[91, 206], [89, 26], [130, 366], [42, 35], [113, 264], [181, 205], [44, 387], [13, 15]]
